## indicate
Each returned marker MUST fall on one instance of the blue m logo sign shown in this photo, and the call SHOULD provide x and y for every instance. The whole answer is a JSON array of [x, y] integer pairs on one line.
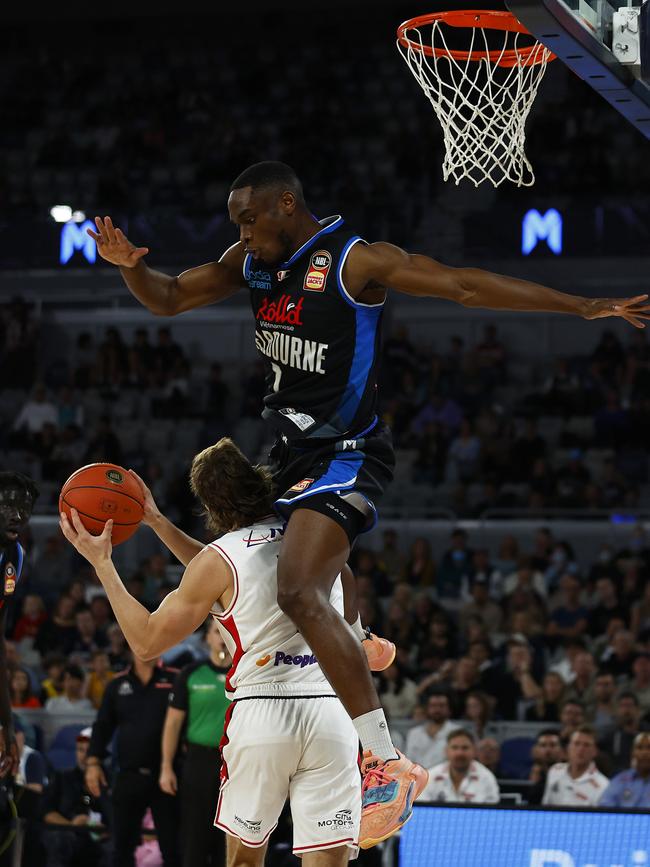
[[74, 237], [541, 227]]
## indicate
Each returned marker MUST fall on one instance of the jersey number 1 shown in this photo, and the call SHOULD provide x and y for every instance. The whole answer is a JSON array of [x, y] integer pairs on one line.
[[277, 370]]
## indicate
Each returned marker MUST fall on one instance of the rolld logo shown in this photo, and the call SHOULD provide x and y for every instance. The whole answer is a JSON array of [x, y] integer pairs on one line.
[[283, 311]]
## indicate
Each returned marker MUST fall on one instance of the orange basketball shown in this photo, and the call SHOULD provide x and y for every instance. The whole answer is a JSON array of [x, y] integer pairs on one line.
[[102, 491]]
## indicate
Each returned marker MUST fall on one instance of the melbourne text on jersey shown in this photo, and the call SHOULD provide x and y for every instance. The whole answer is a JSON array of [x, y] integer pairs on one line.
[[293, 351]]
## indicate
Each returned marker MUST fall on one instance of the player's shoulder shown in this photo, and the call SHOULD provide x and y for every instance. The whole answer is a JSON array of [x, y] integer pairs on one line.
[[268, 531], [558, 769]]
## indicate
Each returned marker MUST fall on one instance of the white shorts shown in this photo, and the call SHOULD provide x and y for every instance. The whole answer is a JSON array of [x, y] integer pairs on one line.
[[305, 749]]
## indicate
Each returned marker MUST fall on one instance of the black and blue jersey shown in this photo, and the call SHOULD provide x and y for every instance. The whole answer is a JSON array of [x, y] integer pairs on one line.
[[320, 346]]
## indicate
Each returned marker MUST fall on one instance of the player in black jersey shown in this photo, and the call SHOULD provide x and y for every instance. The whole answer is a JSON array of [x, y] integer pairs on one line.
[[317, 292], [17, 497]]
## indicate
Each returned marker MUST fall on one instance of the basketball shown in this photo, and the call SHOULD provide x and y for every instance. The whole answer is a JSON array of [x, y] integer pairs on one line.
[[102, 491]]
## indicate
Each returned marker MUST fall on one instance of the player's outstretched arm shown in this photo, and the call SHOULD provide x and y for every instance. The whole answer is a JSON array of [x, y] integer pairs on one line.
[[182, 546], [419, 275], [182, 611], [161, 294]]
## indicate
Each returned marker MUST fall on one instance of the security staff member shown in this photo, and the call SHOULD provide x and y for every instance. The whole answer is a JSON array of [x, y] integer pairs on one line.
[[198, 699], [134, 704]]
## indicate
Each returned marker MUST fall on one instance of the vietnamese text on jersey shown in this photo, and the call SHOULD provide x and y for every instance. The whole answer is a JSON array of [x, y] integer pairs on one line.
[[320, 346], [270, 658]]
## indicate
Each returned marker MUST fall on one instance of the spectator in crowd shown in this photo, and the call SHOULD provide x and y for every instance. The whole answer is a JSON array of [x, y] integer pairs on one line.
[[390, 557], [32, 617], [89, 638], [481, 606], [455, 567], [576, 782], [631, 788], [581, 686], [640, 612], [428, 741], [464, 454], [525, 577], [72, 700], [461, 778], [607, 605], [513, 682], [20, 689], [616, 748], [547, 704], [620, 655], [477, 713], [569, 618], [198, 702], [488, 753], [35, 414], [436, 648], [464, 680], [30, 781], [603, 711], [54, 668], [572, 717], [397, 692], [99, 676], [58, 633], [118, 651], [69, 804], [420, 568], [134, 708], [546, 752], [639, 684]]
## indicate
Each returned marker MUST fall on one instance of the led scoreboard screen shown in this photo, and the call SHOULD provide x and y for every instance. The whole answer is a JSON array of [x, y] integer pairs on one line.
[[524, 837]]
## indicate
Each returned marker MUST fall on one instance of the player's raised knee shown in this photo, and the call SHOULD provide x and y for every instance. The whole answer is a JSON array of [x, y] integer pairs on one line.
[[300, 602]]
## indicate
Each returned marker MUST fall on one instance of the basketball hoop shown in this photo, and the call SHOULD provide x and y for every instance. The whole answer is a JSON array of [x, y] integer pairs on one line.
[[482, 96]]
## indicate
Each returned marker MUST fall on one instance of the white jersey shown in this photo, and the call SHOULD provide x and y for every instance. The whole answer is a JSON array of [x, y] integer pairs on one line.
[[478, 786], [563, 790], [269, 656]]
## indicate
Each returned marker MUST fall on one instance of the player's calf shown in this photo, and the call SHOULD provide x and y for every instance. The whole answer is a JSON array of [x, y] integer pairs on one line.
[[239, 855]]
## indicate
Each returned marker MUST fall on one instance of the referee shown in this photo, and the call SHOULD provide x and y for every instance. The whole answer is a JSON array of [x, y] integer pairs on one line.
[[199, 699], [133, 709]]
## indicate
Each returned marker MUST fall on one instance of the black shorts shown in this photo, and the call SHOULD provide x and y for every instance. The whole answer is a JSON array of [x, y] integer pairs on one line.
[[343, 479]]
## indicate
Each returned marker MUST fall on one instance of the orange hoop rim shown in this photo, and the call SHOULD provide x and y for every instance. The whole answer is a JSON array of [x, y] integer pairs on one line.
[[484, 19]]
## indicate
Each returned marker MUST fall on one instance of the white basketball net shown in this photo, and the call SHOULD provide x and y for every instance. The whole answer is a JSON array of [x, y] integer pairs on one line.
[[482, 106]]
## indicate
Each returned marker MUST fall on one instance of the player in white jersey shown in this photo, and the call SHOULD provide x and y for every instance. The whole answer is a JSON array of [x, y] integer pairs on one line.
[[286, 733]]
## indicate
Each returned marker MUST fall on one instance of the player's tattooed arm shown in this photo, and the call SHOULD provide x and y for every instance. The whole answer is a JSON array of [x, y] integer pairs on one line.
[[163, 294], [472, 287]]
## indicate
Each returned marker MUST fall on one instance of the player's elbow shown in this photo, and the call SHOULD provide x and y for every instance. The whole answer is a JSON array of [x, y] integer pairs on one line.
[[467, 286], [167, 302]]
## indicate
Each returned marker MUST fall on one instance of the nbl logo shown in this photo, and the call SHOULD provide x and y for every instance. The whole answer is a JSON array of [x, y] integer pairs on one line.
[[317, 272]]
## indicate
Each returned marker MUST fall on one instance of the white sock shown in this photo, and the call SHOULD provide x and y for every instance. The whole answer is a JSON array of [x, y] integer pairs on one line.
[[372, 729], [358, 629]]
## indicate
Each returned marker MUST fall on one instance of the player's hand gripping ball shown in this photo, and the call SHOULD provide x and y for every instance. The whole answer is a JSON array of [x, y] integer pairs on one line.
[[100, 492]]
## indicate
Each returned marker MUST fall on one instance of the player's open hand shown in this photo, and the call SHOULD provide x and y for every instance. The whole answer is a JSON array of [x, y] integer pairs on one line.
[[114, 246], [96, 549], [151, 510], [633, 310]]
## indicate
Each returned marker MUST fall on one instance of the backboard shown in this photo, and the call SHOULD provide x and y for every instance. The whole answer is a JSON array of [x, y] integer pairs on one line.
[[606, 42]]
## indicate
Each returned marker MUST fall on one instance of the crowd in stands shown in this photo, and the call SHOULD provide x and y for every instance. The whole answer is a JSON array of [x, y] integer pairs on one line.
[[470, 436], [186, 145]]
